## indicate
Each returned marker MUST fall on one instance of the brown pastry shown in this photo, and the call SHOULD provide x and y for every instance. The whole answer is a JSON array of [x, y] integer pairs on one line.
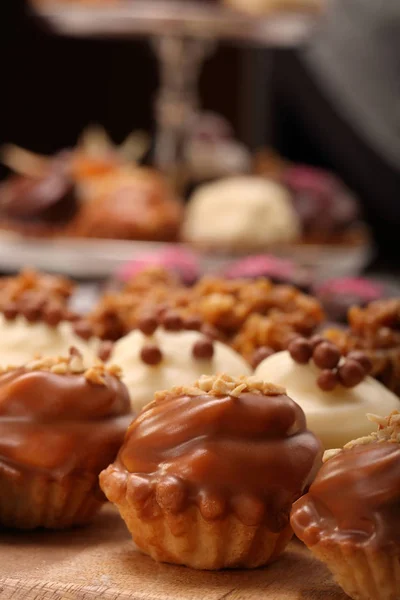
[[42, 204], [60, 425], [350, 518], [374, 330], [247, 315], [207, 474], [128, 204]]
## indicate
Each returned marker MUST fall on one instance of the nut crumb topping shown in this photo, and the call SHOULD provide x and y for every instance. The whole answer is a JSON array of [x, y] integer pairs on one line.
[[222, 385], [69, 365], [388, 431]]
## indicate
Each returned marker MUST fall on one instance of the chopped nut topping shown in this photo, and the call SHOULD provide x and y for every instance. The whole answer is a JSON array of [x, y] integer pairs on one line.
[[388, 431], [69, 365], [222, 385]]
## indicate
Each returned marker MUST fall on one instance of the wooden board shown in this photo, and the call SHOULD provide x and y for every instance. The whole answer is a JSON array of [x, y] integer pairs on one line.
[[100, 562]]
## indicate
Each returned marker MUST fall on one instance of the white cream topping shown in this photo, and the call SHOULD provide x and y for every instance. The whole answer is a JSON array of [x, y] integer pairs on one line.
[[337, 416], [178, 366], [21, 341], [249, 211]]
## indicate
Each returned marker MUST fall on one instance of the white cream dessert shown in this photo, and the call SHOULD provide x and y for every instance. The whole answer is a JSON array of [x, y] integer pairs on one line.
[[260, 7], [168, 358], [21, 341], [241, 212], [338, 415]]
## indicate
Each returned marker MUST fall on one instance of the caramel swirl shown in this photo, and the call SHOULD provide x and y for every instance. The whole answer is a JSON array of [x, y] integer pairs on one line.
[[355, 498], [248, 453], [60, 424]]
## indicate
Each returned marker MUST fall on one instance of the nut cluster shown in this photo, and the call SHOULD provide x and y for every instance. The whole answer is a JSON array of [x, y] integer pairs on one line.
[[348, 371], [69, 365], [388, 431], [223, 385]]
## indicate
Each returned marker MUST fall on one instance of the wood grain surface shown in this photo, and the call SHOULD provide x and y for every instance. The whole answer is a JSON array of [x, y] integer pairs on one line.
[[100, 562]]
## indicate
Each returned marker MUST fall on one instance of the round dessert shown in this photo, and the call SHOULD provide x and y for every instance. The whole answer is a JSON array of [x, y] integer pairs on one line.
[[129, 203], [207, 474], [335, 393], [350, 518], [25, 336], [263, 7], [337, 296], [60, 425], [155, 358], [240, 213], [42, 204]]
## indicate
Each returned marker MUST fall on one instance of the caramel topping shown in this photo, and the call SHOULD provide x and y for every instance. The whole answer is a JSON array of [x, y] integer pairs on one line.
[[225, 445], [349, 371], [55, 419], [355, 498], [356, 495]]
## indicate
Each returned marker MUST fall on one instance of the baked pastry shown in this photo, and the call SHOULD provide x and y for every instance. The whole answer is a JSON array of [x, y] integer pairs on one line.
[[335, 393], [129, 203], [263, 7], [240, 213], [208, 473], [60, 425], [374, 329], [39, 205], [350, 518], [156, 357]]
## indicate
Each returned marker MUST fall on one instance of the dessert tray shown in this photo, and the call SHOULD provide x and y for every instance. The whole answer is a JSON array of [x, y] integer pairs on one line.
[[91, 258], [100, 562], [176, 18]]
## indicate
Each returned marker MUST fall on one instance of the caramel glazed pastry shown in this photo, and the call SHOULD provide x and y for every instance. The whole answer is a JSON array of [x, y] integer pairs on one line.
[[60, 425], [207, 474], [350, 518]]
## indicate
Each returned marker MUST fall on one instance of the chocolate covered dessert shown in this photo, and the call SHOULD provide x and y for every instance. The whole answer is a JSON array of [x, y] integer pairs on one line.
[[350, 518], [60, 425], [207, 474]]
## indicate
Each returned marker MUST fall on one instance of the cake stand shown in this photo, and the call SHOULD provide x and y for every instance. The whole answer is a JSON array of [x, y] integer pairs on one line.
[[183, 33]]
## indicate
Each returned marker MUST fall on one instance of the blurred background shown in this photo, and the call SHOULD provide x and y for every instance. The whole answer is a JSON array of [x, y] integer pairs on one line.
[[328, 100]]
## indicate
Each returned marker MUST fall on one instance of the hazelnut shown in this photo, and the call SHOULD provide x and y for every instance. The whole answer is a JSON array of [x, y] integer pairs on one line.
[[260, 354], [361, 358], [83, 329], [326, 355], [172, 321], [300, 350], [151, 354], [327, 380], [148, 324], [203, 349], [351, 373]]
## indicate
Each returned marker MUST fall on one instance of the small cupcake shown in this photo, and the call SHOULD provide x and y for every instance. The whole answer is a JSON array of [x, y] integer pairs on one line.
[[350, 518], [335, 392], [207, 474], [36, 322], [60, 425], [154, 357]]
